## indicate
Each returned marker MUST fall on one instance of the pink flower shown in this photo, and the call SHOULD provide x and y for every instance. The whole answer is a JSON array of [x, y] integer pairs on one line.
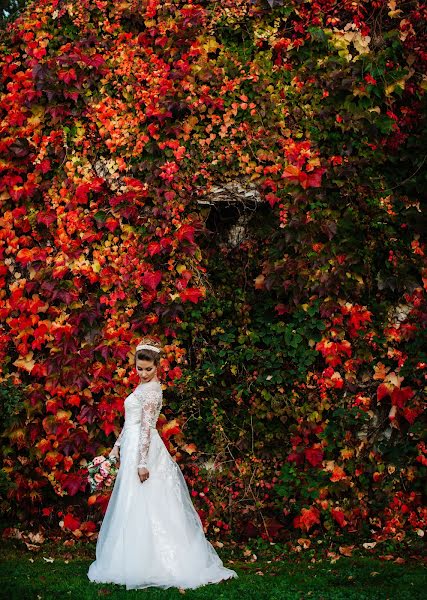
[[98, 460], [108, 481], [98, 478]]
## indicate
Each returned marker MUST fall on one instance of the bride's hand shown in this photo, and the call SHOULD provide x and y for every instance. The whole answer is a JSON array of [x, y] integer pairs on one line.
[[115, 453], [143, 474]]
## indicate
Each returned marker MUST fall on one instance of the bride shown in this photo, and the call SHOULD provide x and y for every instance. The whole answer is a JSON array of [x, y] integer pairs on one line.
[[151, 534]]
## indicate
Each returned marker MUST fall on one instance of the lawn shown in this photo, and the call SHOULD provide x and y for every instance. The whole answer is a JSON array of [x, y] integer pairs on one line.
[[54, 571]]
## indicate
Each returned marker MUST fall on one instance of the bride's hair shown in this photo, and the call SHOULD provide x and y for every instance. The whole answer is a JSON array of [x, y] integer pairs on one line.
[[147, 354]]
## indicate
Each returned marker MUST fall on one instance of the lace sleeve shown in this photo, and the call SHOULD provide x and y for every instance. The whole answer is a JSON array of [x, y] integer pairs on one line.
[[117, 442], [151, 406]]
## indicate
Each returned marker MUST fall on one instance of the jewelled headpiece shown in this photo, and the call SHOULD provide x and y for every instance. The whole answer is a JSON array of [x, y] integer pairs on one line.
[[147, 347]]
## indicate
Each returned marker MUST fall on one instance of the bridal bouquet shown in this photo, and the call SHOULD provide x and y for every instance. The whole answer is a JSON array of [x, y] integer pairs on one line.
[[101, 472]]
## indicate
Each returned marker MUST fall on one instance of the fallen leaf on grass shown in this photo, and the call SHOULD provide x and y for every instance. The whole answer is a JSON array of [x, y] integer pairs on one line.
[[32, 547], [334, 557], [50, 560], [12, 532], [374, 573], [346, 550], [36, 538]]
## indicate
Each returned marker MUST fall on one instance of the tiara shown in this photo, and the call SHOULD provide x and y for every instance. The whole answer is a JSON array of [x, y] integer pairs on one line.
[[147, 347]]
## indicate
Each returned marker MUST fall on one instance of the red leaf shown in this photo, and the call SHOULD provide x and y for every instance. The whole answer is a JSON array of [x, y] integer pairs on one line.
[[192, 294], [27, 255], [339, 516], [70, 522], [294, 174], [315, 179], [74, 483], [152, 280], [186, 232], [308, 518], [154, 248], [96, 60], [411, 414], [47, 218], [67, 76], [314, 456], [399, 396], [384, 389], [88, 526], [306, 180]]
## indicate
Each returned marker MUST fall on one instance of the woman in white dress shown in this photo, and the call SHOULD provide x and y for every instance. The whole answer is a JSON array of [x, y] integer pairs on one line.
[[151, 534]]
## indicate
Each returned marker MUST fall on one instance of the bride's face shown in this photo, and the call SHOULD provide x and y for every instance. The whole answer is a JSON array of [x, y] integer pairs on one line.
[[146, 370]]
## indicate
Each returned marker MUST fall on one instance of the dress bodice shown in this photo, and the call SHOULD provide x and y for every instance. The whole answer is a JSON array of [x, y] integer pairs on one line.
[[144, 394], [142, 409]]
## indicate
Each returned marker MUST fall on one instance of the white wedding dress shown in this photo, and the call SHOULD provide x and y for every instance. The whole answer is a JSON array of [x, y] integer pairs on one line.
[[151, 534]]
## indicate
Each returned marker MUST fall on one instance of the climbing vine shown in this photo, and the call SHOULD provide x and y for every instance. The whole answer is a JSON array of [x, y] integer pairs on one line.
[[295, 360]]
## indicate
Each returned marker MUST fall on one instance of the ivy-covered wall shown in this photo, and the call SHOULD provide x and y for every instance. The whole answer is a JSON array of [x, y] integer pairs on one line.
[[296, 357]]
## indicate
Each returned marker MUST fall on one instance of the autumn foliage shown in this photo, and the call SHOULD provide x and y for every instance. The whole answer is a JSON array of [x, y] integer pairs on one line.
[[295, 362]]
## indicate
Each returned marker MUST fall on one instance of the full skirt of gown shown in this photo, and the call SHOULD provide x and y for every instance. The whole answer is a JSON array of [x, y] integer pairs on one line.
[[151, 534]]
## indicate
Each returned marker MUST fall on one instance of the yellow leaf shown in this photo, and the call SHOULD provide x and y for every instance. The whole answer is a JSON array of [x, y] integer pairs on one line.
[[76, 305], [63, 414], [211, 45], [26, 363], [190, 448], [180, 268], [393, 12], [394, 379]]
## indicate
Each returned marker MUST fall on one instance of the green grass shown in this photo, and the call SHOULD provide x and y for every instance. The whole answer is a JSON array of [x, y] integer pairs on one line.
[[27, 575]]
